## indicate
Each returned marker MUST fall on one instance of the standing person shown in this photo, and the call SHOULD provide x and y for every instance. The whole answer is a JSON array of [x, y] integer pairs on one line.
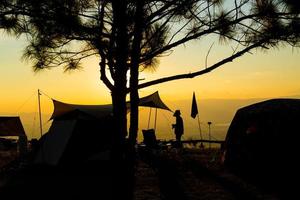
[[178, 127]]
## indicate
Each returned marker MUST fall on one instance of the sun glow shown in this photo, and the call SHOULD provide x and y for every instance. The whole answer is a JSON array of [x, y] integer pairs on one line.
[[270, 74]]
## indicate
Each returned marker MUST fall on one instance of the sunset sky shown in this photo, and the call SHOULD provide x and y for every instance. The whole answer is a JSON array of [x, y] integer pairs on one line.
[[262, 74]]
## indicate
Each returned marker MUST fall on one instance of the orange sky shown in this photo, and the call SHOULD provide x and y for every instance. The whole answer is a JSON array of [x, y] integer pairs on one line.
[[262, 74], [273, 73]]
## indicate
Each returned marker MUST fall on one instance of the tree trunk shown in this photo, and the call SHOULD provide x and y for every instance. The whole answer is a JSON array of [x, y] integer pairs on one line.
[[120, 168], [134, 109], [124, 167], [120, 122], [134, 72], [120, 80], [122, 187]]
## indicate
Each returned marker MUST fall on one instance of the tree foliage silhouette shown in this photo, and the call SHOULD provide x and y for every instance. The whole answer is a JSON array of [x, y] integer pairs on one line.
[[131, 35]]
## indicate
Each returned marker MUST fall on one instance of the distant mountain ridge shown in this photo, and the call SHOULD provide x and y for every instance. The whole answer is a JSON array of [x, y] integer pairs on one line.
[[219, 111]]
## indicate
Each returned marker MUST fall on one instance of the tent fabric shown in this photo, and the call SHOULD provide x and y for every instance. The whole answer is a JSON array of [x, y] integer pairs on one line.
[[273, 105], [11, 126], [55, 141], [268, 126], [261, 142], [100, 111], [153, 101], [74, 139], [271, 116], [82, 132]]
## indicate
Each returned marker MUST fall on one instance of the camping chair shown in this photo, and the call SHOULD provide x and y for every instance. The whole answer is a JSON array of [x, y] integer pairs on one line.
[[150, 138]]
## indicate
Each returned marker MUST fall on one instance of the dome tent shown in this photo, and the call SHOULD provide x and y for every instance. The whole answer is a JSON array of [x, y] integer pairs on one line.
[[261, 143]]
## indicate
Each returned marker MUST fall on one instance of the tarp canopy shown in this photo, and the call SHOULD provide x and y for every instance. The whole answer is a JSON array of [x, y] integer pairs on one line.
[[101, 111], [11, 126], [98, 111], [81, 132], [153, 101]]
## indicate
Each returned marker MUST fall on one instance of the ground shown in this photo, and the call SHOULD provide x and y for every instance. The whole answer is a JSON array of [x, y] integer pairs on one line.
[[6, 157], [183, 174], [193, 174]]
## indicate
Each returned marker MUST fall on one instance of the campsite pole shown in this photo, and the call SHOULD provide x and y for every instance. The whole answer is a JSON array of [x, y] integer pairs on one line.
[[155, 118], [200, 131], [40, 116], [209, 134], [149, 118]]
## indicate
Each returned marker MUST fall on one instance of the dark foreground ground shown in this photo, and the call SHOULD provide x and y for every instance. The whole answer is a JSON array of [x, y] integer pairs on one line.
[[192, 174], [188, 173]]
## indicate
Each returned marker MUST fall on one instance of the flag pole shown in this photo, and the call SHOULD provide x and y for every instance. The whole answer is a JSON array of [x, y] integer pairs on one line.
[[155, 119], [149, 118], [200, 131], [40, 115], [194, 113]]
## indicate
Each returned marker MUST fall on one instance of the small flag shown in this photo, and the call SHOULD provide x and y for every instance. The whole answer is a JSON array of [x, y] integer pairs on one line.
[[194, 111]]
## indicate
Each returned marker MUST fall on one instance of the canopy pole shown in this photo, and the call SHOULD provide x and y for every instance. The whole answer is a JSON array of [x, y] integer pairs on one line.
[[41, 128], [155, 118], [149, 118], [200, 131], [40, 115]]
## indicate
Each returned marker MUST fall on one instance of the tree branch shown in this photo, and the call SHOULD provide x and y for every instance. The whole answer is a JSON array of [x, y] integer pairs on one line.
[[204, 71], [103, 76], [195, 36]]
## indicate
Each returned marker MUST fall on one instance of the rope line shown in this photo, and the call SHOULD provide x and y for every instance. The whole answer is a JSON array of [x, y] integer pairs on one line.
[[26, 101], [46, 94]]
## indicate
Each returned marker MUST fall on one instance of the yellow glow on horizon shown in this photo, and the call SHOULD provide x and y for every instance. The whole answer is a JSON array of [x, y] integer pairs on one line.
[[274, 73], [271, 74]]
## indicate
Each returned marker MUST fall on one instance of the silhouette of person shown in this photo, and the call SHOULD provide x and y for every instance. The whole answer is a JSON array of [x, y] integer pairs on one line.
[[178, 127]]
